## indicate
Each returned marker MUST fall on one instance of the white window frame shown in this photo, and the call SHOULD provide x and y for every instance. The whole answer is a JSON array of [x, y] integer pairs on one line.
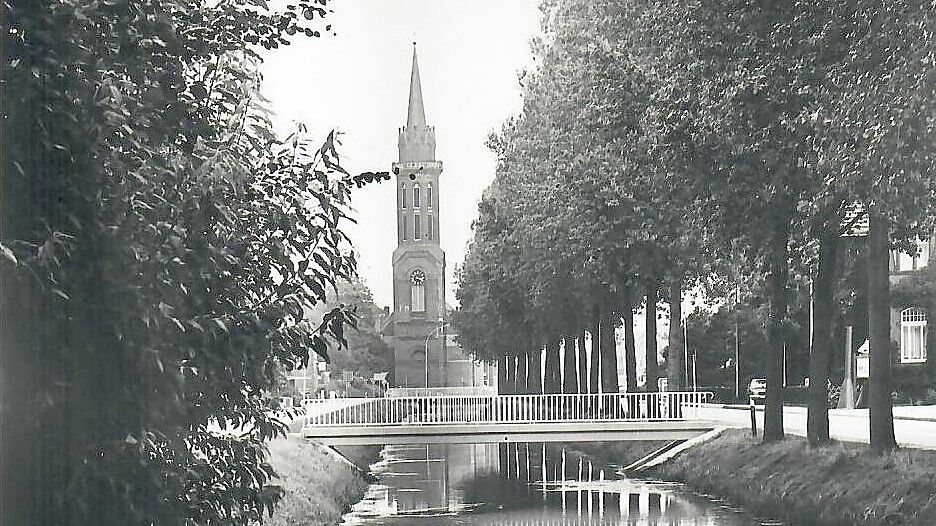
[[417, 231], [922, 259], [913, 324], [403, 196], [416, 203], [429, 196], [905, 262], [417, 291]]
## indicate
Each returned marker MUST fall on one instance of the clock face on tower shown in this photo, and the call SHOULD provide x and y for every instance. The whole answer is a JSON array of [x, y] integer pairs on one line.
[[417, 277]]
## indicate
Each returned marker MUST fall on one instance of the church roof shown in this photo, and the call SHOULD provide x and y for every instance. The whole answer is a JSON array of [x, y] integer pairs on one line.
[[416, 115]]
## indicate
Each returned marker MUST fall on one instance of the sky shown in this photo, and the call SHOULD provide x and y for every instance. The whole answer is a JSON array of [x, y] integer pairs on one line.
[[357, 81]]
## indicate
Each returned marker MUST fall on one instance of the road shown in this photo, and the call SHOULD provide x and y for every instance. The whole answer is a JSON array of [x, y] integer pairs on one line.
[[913, 426]]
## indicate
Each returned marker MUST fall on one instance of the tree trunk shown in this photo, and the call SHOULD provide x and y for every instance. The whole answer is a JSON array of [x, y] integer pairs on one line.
[[817, 422], [593, 369], [777, 271], [650, 347], [582, 364], [630, 351], [534, 372], [675, 368], [569, 374], [552, 385], [879, 384], [609, 369], [503, 376], [25, 442]]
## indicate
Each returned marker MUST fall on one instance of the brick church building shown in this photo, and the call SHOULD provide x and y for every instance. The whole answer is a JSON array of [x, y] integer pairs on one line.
[[424, 350]]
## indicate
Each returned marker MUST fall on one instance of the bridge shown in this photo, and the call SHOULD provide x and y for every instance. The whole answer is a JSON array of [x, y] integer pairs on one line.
[[507, 418]]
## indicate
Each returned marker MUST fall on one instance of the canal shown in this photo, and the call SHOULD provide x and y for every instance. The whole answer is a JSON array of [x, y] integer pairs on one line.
[[523, 484]]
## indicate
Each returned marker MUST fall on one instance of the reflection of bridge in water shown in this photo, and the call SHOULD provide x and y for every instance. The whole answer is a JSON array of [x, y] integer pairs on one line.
[[508, 418], [520, 484]]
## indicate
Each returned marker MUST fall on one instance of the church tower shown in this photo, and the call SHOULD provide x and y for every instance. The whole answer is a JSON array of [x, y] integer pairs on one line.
[[418, 261]]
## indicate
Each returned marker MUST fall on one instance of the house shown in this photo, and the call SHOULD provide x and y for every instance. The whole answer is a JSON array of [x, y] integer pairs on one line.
[[305, 380], [911, 311]]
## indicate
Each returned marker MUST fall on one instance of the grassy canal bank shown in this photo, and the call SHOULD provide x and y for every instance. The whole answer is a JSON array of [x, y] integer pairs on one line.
[[319, 487], [834, 485]]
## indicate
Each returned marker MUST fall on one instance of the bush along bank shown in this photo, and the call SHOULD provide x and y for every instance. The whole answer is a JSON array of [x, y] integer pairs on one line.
[[318, 485], [837, 484]]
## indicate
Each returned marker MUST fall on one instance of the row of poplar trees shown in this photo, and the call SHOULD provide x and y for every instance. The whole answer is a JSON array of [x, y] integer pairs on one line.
[[668, 145]]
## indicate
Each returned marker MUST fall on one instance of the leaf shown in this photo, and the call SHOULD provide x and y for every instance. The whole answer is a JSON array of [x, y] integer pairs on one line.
[[220, 323], [8, 254]]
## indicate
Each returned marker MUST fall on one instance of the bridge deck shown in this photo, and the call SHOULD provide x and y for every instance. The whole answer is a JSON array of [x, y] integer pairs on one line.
[[509, 418], [506, 432]]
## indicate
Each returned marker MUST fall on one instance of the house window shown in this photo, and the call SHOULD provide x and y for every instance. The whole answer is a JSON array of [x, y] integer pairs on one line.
[[403, 223], [912, 335], [416, 196], [418, 291], [403, 196], [416, 230], [429, 195], [908, 262], [429, 227]]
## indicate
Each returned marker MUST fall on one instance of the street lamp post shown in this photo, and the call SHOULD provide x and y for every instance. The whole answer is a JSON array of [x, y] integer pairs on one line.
[[429, 336]]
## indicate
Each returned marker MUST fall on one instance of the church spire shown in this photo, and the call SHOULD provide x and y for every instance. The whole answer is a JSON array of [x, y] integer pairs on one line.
[[416, 115]]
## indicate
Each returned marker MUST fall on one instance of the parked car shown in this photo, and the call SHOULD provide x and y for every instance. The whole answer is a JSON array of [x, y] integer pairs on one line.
[[758, 388]]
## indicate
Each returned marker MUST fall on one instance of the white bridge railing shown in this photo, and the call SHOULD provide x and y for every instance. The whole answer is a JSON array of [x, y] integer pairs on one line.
[[494, 409]]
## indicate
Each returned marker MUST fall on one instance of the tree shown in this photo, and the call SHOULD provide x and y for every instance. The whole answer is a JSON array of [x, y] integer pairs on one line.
[[882, 95], [159, 247], [366, 352], [817, 424]]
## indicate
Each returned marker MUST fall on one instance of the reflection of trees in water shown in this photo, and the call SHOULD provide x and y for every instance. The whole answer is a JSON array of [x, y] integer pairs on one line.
[[500, 492], [445, 482]]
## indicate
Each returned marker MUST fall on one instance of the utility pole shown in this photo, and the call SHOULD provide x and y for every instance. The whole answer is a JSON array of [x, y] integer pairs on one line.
[[784, 365], [848, 386], [737, 348], [685, 340], [694, 378]]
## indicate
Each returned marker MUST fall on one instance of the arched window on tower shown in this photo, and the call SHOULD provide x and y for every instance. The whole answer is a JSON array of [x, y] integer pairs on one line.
[[403, 196], [912, 335], [416, 196], [418, 291], [416, 230], [429, 195], [429, 227], [404, 224]]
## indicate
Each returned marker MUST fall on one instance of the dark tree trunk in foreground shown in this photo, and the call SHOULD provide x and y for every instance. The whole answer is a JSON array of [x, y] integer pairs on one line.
[[503, 376], [879, 384], [593, 369], [551, 383], [675, 368], [650, 348], [817, 423], [609, 369], [533, 373], [569, 374], [630, 352], [777, 272]]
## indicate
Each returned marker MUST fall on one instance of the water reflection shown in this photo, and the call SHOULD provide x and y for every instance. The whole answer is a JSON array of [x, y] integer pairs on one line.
[[521, 484]]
